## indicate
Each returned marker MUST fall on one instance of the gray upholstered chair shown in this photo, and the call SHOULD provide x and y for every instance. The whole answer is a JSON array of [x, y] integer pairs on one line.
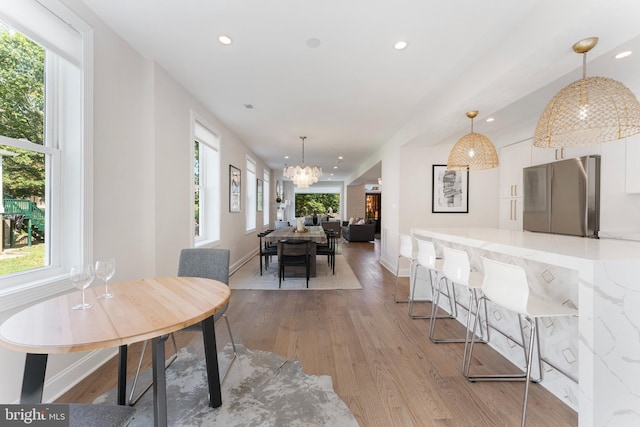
[[197, 262]]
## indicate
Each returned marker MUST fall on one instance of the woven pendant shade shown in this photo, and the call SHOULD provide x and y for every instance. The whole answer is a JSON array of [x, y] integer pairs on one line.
[[588, 111], [473, 151]]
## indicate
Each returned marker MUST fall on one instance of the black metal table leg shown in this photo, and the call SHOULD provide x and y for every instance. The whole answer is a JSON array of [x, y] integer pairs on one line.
[[122, 374], [211, 357], [159, 382], [35, 367]]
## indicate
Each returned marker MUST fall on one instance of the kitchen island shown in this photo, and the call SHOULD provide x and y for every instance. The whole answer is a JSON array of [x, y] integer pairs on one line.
[[599, 277]]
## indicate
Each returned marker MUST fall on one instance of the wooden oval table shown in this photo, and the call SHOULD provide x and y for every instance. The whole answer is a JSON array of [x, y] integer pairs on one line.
[[140, 310]]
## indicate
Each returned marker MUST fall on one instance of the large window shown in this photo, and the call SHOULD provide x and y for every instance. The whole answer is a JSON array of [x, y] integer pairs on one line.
[[266, 198], [318, 203], [44, 89], [206, 184], [251, 196]]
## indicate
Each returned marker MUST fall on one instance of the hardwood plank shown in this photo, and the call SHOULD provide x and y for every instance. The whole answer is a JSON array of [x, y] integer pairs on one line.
[[382, 363]]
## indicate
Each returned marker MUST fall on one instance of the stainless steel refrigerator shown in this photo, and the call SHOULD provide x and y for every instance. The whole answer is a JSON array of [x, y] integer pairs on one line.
[[563, 197]]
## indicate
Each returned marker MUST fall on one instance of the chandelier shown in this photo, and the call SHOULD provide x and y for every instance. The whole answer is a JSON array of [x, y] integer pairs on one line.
[[473, 151], [588, 111], [302, 176]]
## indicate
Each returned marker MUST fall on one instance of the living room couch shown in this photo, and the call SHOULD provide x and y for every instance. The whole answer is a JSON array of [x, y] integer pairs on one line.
[[359, 232]]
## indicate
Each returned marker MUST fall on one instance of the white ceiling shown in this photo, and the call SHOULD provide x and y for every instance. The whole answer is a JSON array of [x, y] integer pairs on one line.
[[354, 92]]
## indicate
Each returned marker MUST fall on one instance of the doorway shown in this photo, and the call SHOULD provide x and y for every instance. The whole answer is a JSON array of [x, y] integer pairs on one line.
[[373, 208]]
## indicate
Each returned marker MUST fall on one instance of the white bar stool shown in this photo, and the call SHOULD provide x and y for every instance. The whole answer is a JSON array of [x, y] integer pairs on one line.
[[427, 259], [506, 285], [406, 250], [457, 270]]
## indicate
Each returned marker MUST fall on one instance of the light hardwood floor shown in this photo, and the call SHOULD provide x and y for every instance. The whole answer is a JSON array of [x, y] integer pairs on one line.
[[382, 363]]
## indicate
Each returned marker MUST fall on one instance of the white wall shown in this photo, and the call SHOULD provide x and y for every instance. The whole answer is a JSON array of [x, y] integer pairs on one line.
[[142, 175], [416, 188]]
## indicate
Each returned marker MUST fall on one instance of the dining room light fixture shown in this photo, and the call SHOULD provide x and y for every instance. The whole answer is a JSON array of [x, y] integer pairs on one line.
[[302, 176], [588, 111], [473, 151]]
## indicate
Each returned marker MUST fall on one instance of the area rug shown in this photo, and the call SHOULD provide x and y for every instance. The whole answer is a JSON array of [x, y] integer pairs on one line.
[[248, 277], [261, 389]]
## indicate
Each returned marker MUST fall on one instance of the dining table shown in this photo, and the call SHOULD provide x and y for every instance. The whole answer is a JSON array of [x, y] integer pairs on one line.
[[315, 233], [150, 308]]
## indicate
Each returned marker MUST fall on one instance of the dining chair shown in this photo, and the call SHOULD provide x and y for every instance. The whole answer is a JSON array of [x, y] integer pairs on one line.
[[207, 263], [294, 252], [329, 249], [266, 249], [506, 285], [457, 271], [407, 251], [426, 258]]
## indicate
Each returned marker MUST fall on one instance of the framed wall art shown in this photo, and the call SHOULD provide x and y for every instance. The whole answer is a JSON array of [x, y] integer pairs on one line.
[[235, 189], [450, 190]]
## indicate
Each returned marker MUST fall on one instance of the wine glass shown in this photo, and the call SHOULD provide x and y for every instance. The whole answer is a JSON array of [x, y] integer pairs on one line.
[[81, 277], [105, 269]]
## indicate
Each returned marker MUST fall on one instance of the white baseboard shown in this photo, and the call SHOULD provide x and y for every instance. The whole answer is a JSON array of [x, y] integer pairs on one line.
[[67, 378]]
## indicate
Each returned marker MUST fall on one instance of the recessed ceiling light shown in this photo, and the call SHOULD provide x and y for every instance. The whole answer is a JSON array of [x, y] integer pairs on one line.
[[623, 54], [400, 45], [225, 40], [340, 157], [286, 157], [335, 167], [331, 174], [490, 119], [313, 42]]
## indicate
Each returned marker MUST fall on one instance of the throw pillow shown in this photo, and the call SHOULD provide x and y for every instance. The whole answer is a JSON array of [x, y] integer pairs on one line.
[[351, 220], [360, 221]]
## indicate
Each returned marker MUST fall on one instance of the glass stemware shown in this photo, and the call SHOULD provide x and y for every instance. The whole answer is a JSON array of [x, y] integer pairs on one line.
[[105, 269], [81, 277]]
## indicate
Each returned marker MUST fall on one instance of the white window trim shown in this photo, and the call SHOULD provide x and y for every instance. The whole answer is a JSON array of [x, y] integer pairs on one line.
[[206, 240], [266, 195], [250, 198], [29, 286]]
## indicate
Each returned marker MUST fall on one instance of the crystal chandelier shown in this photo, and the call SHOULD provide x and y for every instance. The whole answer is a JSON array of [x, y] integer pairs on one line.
[[588, 111], [302, 176], [473, 151]]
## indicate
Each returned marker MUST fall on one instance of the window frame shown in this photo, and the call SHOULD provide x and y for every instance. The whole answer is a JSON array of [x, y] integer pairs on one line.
[[210, 182], [251, 194], [68, 117], [266, 213]]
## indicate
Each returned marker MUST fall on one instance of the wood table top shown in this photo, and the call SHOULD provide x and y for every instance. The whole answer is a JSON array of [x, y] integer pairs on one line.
[[315, 233], [141, 309]]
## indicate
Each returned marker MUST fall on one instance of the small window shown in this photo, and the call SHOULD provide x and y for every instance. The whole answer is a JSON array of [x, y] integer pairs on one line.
[[206, 184], [251, 197], [265, 198]]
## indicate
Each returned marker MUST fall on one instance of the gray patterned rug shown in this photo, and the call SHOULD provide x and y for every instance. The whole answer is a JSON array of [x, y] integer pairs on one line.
[[262, 389]]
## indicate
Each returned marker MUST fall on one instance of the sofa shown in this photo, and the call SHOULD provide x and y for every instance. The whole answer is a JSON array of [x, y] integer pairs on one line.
[[359, 232]]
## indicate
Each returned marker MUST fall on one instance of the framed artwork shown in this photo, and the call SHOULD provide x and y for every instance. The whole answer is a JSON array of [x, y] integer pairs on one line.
[[234, 189], [450, 190], [259, 196]]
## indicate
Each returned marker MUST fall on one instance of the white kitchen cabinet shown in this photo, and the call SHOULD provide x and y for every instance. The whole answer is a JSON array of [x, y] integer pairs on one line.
[[511, 213], [513, 158], [548, 155], [632, 169]]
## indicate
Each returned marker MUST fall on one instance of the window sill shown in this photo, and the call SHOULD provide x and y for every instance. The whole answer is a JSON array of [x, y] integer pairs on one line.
[[33, 292]]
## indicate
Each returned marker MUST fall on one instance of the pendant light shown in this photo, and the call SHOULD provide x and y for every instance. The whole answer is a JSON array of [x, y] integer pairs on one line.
[[588, 111], [302, 176], [473, 151]]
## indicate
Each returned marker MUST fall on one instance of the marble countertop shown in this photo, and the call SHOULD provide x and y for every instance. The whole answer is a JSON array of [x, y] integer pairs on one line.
[[534, 245]]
